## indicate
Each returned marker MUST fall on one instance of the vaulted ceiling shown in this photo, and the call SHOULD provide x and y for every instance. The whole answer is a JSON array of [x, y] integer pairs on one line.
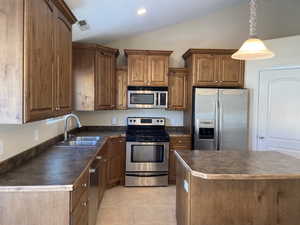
[[115, 19]]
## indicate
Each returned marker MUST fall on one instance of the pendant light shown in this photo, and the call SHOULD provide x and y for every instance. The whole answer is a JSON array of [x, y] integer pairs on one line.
[[253, 48]]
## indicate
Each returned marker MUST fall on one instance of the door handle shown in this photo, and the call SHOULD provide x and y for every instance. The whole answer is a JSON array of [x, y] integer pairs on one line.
[[261, 138]]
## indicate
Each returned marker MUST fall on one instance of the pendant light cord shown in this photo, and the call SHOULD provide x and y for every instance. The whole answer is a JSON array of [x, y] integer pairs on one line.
[[253, 18]]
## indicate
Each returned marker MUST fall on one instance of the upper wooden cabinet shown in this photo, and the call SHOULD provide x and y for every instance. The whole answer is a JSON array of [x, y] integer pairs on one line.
[[177, 89], [121, 88], [35, 78], [148, 68], [94, 71], [214, 68]]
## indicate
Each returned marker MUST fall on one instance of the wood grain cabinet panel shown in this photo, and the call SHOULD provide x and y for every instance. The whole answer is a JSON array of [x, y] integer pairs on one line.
[[94, 73], [231, 71], [205, 70], [179, 143], [116, 161], [121, 88], [39, 59], [214, 68], [137, 70], [35, 41], [148, 67], [63, 45], [158, 70], [177, 89]]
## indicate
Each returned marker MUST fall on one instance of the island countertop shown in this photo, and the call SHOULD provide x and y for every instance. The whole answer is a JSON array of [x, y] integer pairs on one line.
[[243, 165]]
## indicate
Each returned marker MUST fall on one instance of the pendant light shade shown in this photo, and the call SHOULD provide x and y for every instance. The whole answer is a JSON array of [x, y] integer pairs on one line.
[[253, 48]]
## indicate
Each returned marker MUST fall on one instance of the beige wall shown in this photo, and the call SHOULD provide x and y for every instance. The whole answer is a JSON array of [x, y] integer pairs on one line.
[[15, 139], [227, 28], [287, 52]]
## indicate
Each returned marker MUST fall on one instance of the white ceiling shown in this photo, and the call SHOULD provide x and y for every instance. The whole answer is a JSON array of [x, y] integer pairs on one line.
[[115, 19]]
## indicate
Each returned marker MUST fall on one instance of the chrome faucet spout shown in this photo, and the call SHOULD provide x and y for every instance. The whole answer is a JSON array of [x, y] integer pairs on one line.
[[67, 118]]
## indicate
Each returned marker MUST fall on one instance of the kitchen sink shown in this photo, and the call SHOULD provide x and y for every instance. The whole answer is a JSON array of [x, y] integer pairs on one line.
[[81, 141]]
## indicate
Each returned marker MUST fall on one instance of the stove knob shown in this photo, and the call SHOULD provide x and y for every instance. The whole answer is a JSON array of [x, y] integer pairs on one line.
[[157, 121], [161, 121]]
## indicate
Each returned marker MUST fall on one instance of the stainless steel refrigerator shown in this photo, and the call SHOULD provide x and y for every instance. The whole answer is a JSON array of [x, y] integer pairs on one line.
[[220, 119]]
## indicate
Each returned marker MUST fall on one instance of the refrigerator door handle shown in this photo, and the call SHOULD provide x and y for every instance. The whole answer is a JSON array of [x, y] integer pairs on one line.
[[220, 126], [216, 125]]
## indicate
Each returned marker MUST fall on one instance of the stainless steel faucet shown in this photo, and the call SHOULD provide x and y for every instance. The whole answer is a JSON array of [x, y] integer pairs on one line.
[[67, 117]]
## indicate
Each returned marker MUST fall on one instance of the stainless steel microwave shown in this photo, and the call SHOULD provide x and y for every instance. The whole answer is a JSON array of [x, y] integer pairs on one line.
[[148, 97]]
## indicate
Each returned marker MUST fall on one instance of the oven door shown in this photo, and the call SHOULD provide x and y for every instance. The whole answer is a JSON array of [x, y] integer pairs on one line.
[[142, 99], [147, 156]]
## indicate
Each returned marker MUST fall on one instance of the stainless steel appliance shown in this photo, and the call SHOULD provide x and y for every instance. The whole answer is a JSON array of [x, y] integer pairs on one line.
[[147, 152], [147, 97], [220, 119]]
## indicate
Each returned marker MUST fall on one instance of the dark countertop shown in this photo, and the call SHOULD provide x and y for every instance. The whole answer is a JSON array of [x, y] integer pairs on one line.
[[56, 169], [222, 165]]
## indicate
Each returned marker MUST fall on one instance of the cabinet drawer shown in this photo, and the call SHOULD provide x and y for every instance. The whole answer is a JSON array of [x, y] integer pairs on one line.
[[180, 142], [80, 187], [80, 211]]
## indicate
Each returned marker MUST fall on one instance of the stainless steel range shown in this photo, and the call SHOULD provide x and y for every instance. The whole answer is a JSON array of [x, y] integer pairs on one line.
[[147, 152]]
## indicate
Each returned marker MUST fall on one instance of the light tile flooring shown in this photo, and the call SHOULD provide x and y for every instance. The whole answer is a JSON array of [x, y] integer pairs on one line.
[[138, 206]]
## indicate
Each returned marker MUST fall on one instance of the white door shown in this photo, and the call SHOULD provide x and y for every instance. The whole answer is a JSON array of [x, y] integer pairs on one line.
[[279, 111]]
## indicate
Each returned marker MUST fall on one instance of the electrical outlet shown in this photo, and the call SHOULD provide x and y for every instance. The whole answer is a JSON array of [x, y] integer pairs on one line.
[[36, 135], [1, 148], [114, 121]]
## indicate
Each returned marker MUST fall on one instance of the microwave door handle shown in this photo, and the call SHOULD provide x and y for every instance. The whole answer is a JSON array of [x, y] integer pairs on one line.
[[157, 98]]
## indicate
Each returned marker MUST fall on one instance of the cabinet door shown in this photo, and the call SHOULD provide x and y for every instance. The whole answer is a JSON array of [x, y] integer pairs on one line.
[[158, 70], [137, 70], [39, 60], [231, 71], [121, 84], [102, 178], [205, 70], [63, 45], [177, 90], [116, 155], [103, 82]]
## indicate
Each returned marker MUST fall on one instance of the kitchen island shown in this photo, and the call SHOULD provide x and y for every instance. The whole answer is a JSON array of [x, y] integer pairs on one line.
[[237, 188]]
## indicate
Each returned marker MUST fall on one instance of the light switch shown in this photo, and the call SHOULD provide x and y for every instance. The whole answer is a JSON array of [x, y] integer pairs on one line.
[[36, 135], [114, 121]]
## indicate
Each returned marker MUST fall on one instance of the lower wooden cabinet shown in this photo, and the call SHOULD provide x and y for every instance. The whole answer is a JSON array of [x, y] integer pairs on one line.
[[115, 161], [178, 143]]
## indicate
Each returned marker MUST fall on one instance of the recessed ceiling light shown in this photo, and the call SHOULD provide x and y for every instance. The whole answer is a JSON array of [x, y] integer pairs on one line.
[[141, 11]]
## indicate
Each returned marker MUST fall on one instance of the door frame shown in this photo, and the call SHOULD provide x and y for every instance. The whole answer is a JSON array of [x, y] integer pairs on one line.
[[256, 134]]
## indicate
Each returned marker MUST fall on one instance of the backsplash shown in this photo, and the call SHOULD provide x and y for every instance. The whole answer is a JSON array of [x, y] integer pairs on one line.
[[118, 117]]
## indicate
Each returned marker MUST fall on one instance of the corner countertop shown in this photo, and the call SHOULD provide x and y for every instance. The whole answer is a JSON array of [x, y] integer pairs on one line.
[[56, 169], [243, 165]]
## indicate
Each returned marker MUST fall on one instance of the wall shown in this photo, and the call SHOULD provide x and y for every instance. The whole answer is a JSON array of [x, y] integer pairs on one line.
[[227, 28], [105, 118], [15, 139], [287, 52]]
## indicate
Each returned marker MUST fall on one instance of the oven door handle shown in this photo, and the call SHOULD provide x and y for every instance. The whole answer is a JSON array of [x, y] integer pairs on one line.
[[147, 175]]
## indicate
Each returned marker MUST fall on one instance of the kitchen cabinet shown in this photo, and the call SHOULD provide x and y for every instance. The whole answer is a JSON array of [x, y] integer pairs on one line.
[[177, 89], [177, 143], [214, 68], [121, 88], [94, 71], [147, 67], [63, 54], [32, 85], [116, 161]]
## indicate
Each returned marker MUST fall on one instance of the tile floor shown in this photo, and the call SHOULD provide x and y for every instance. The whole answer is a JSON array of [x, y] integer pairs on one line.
[[138, 206]]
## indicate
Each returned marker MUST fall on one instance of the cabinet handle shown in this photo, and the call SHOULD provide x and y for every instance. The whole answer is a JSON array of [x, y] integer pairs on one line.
[[84, 185], [99, 157], [180, 141], [84, 204], [216, 81], [221, 81]]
